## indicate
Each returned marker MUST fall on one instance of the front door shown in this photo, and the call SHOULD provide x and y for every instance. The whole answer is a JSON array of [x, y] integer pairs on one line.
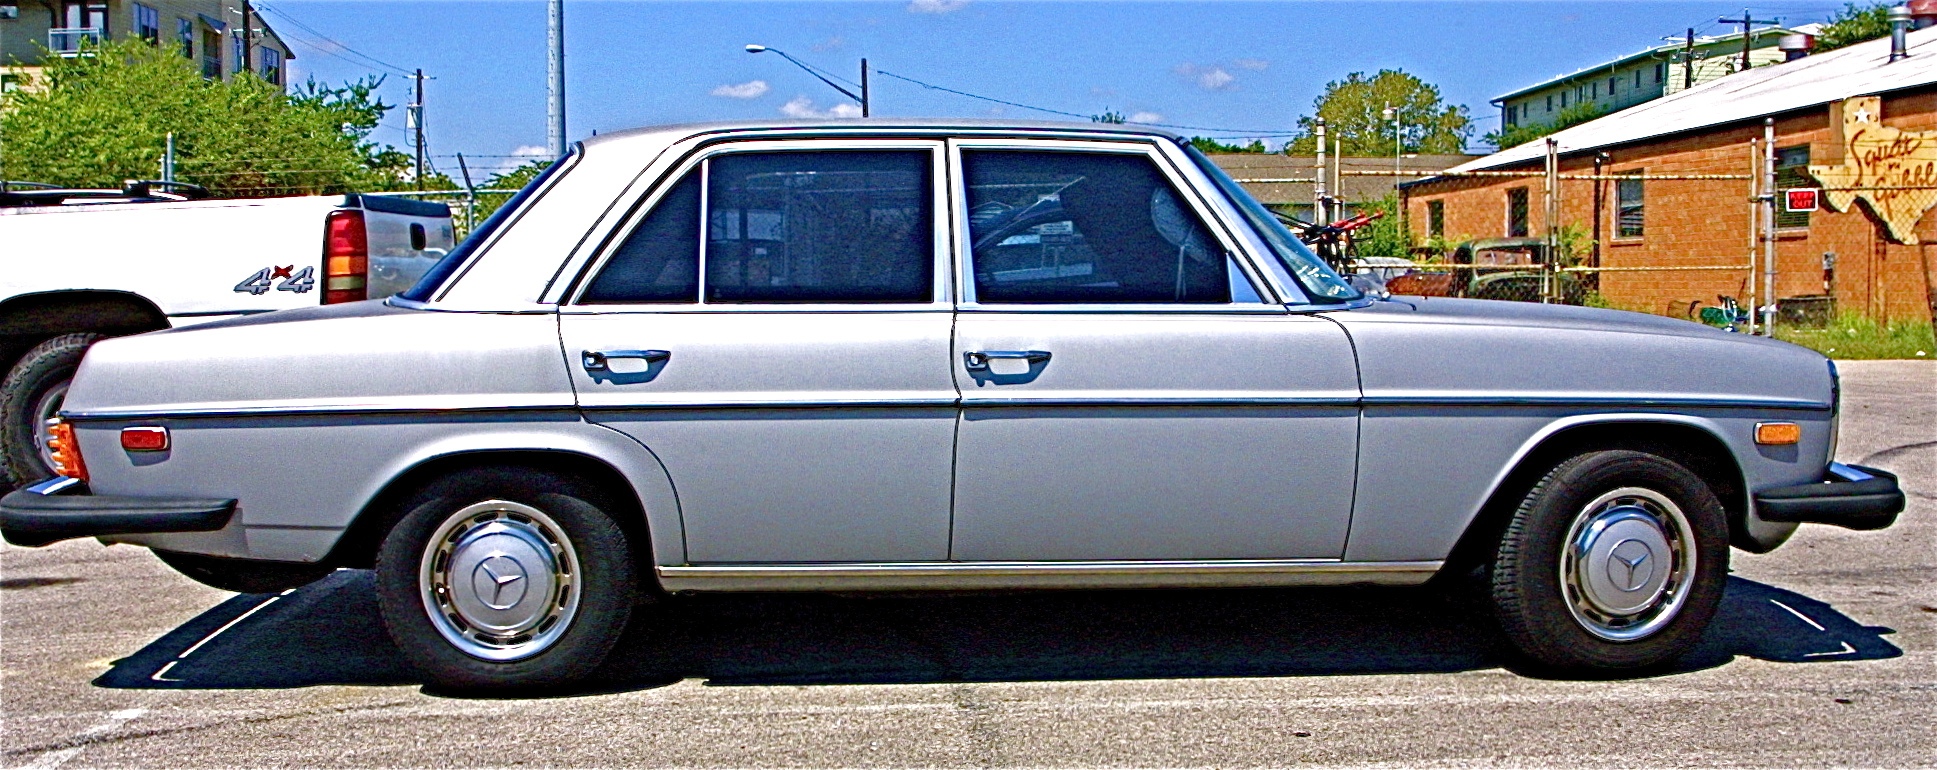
[[1127, 392], [772, 330]]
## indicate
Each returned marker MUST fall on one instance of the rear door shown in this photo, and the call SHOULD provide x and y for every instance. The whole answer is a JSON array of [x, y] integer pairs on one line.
[[1128, 393], [771, 327]]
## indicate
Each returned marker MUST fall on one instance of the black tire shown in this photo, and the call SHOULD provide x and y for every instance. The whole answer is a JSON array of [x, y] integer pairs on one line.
[[45, 368], [244, 576], [575, 637], [1555, 623]]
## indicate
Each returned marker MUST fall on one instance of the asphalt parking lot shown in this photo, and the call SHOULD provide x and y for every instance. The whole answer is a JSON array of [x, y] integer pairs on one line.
[[1822, 655]]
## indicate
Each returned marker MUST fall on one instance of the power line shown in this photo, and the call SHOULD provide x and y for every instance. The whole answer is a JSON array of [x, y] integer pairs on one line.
[[332, 41], [1245, 133]]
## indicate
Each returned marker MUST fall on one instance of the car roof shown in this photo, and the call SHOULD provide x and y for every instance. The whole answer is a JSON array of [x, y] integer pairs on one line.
[[677, 132]]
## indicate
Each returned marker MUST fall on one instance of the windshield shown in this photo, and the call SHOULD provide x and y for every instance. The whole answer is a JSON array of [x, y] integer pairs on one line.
[[441, 272], [1317, 279]]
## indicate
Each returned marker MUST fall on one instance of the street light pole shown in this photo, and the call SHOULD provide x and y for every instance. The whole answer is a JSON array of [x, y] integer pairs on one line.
[[555, 104], [861, 98]]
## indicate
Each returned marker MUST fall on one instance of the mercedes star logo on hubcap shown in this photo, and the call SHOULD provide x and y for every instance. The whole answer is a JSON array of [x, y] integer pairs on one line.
[[499, 582], [1630, 564]]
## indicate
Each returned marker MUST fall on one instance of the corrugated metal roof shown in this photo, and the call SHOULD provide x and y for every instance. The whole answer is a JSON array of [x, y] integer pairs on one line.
[[1659, 51], [1858, 70]]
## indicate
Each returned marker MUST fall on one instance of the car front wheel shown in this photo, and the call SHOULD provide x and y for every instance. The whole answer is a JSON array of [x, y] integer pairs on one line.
[[1615, 561], [506, 580]]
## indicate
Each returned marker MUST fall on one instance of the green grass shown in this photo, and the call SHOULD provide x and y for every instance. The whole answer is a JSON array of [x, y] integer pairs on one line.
[[1857, 337]]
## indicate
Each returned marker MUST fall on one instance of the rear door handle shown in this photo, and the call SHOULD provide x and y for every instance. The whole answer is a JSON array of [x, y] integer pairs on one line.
[[978, 360], [599, 360]]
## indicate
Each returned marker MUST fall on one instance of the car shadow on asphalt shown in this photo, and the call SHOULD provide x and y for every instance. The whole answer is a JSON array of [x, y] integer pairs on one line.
[[330, 633]]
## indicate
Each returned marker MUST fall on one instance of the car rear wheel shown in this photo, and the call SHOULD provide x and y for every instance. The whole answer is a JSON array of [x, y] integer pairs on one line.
[[1614, 562], [33, 392], [506, 580]]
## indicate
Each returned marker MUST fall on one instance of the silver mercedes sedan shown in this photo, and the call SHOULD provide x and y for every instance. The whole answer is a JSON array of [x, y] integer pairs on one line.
[[902, 355]]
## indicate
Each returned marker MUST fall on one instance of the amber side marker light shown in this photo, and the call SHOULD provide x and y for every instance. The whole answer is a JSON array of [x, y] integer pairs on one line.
[[1777, 433], [65, 453], [144, 439]]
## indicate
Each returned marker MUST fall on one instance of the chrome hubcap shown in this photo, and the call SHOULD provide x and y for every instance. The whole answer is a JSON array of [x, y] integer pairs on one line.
[[1627, 564], [500, 581], [46, 408]]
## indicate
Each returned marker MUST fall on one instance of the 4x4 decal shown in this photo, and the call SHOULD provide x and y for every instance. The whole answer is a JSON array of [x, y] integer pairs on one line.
[[299, 281]]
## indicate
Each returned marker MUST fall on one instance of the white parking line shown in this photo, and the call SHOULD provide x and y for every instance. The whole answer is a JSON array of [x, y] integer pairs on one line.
[[157, 676], [1847, 649], [1805, 618], [54, 759]]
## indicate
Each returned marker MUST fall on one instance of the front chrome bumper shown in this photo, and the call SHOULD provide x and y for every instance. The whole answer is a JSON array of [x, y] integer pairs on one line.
[[1849, 496]]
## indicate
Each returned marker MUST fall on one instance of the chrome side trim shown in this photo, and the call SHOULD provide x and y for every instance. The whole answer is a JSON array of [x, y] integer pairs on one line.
[[1210, 401], [1083, 574], [1848, 473], [829, 403], [1595, 401], [101, 415]]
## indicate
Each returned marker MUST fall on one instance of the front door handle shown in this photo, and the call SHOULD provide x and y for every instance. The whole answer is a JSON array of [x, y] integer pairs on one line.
[[598, 360], [978, 360]]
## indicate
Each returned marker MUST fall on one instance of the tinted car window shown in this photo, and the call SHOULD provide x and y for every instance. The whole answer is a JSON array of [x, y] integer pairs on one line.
[[659, 261], [834, 226], [1085, 228]]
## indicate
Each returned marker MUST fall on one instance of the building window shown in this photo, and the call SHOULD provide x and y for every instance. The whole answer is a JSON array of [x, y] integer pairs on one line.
[[148, 24], [241, 52], [185, 35], [1511, 110], [211, 54], [1637, 80], [1563, 100], [1517, 212], [1792, 170], [9, 82], [1629, 207], [1659, 69], [272, 66], [1610, 85], [9, 10], [1436, 218], [1550, 102]]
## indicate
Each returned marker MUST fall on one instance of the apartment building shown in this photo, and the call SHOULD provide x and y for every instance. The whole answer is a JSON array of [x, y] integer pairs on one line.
[[1644, 75], [208, 32]]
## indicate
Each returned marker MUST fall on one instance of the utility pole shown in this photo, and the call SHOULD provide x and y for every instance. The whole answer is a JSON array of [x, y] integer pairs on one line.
[[1769, 223], [1319, 214], [1688, 60], [470, 194], [864, 88], [1745, 21], [248, 41], [1552, 183], [168, 159], [555, 110], [416, 115]]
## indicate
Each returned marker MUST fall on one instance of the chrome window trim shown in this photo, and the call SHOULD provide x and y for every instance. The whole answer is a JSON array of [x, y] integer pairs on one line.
[[570, 162], [643, 205], [1150, 147], [974, 575]]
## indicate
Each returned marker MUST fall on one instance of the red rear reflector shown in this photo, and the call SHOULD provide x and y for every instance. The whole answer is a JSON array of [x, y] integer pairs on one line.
[[144, 439], [64, 451], [346, 258]]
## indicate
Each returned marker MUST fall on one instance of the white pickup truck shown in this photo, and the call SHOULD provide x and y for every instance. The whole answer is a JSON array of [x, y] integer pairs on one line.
[[77, 266]]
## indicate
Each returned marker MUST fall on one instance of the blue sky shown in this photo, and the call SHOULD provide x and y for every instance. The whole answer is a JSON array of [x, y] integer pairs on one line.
[[1238, 65]]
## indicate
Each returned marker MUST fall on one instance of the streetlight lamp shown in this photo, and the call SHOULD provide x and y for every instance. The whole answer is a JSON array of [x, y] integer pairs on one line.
[[862, 98]]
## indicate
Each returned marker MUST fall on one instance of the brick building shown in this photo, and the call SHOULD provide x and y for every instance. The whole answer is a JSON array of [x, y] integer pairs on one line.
[[1852, 122], [1284, 182]]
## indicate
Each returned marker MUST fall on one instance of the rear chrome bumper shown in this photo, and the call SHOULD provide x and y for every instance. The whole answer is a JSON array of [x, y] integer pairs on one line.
[[1849, 496], [61, 509]]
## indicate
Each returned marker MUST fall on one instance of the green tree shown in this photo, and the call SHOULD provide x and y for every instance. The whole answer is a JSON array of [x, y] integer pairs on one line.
[[1385, 236], [1353, 111], [1207, 145], [1109, 116], [1854, 24], [97, 119], [1514, 136]]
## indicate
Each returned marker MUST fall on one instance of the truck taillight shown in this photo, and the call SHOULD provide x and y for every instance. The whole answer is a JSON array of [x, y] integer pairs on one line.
[[346, 258], [63, 451]]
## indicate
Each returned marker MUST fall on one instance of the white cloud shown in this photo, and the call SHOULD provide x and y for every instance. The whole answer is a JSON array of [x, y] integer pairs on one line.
[[1250, 64], [834, 43], [1145, 117], [749, 90], [803, 107], [1209, 78], [936, 6]]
